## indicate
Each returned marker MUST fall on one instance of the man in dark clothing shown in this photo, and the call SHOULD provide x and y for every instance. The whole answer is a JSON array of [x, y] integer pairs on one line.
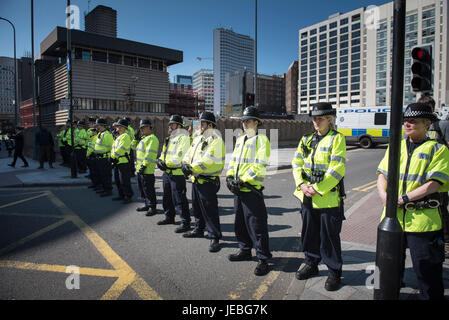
[[44, 140], [18, 149]]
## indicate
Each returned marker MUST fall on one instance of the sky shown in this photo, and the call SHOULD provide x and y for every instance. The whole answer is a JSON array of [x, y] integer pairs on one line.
[[185, 25]]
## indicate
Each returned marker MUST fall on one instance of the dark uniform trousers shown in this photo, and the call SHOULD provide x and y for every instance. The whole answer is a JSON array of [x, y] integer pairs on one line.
[[93, 175], [251, 226], [174, 200], [122, 177], [80, 154], [320, 237], [146, 187], [427, 254], [104, 173], [205, 208]]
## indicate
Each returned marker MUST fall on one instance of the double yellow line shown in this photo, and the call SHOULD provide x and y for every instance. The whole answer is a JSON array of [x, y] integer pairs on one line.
[[366, 187]]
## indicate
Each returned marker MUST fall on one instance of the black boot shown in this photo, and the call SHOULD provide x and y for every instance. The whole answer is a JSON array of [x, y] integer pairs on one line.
[[166, 221], [333, 281], [214, 245], [151, 212], [144, 208], [262, 268], [240, 256], [306, 272], [195, 233], [183, 228]]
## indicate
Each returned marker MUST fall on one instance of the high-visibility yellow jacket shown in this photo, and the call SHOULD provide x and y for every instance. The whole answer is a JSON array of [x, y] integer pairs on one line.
[[67, 137], [103, 144], [120, 148], [206, 155], [249, 160], [91, 144], [146, 153], [429, 161], [60, 137], [80, 138], [327, 156], [173, 151]]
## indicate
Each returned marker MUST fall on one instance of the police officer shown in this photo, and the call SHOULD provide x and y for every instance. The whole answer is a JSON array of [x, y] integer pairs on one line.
[[130, 131], [318, 170], [424, 172], [174, 199], [80, 141], [91, 157], [102, 151], [204, 162], [67, 141], [244, 178], [120, 161], [146, 154]]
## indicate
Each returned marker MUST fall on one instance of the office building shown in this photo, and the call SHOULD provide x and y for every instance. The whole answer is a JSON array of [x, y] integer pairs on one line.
[[347, 59], [232, 52], [203, 85], [291, 89]]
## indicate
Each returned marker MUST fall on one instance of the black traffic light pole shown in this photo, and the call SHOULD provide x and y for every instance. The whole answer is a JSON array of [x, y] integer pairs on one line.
[[73, 166], [389, 256]]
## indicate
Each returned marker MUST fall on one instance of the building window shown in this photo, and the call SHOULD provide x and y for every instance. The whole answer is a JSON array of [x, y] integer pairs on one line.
[[115, 58], [100, 56], [130, 61], [333, 25], [343, 30], [144, 63], [344, 21]]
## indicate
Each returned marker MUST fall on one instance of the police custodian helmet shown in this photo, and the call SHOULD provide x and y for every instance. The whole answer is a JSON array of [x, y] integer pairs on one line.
[[145, 123], [208, 117], [176, 119], [251, 113], [322, 109]]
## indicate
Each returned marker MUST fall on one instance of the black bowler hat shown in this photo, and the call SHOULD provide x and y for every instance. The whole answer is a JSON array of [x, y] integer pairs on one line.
[[208, 117], [145, 123], [176, 119], [420, 110], [251, 113], [80, 123], [90, 120], [322, 109], [101, 122]]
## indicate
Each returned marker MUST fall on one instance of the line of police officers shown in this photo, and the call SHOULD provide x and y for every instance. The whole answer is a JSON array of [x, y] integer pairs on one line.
[[318, 169]]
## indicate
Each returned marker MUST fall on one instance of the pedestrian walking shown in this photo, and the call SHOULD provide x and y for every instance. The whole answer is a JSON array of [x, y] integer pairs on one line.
[[203, 163], [174, 200], [19, 143], [120, 161], [146, 154], [318, 170], [423, 174], [244, 178], [45, 143]]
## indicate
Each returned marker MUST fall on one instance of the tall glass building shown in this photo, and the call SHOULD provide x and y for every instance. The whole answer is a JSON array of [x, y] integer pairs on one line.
[[347, 59], [232, 52]]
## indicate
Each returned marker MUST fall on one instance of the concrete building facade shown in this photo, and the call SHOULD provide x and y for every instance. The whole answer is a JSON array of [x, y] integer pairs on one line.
[[203, 85], [232, 52], [347, 59]]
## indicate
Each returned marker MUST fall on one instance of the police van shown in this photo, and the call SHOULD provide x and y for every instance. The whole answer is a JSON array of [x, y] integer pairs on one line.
[[366, 126]]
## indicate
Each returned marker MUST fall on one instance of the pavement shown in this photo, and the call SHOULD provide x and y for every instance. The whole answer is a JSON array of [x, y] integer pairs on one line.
[[358, 238]]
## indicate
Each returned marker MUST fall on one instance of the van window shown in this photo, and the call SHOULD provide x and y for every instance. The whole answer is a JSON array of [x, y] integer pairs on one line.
[[380, 118]]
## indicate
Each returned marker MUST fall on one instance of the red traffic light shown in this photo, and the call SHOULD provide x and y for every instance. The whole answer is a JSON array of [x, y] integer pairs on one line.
[[419, 53]]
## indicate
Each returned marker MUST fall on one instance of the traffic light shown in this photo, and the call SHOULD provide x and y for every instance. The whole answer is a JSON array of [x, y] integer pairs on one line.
[[422, 68], [249, 99]]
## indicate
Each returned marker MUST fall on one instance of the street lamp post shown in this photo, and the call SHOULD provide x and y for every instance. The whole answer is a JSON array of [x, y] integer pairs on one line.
[[15, 72]]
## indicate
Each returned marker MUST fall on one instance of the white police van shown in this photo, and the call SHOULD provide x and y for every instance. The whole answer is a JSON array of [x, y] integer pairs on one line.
[[366, 126]]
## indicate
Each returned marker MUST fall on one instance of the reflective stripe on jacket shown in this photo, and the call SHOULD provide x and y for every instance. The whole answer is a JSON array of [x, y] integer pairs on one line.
[[249, 160], [206, 155], [328, 157], [103, 143], [429, 161], [121, 148], [146, 153], [173, 151]]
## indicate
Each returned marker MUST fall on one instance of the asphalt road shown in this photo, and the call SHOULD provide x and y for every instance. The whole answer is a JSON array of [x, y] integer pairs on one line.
[[121, 254]]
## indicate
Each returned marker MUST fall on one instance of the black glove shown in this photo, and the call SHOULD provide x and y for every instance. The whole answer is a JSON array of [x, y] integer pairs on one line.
[[229, 182], [233, 185], [186, 169], [161, 165], [142, 169]]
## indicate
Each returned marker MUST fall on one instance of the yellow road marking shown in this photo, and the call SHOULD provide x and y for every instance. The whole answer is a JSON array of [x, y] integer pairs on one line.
[[263, 288], [32, 236], [57, 268], [24, 200], [125, 275], [367, 186]]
